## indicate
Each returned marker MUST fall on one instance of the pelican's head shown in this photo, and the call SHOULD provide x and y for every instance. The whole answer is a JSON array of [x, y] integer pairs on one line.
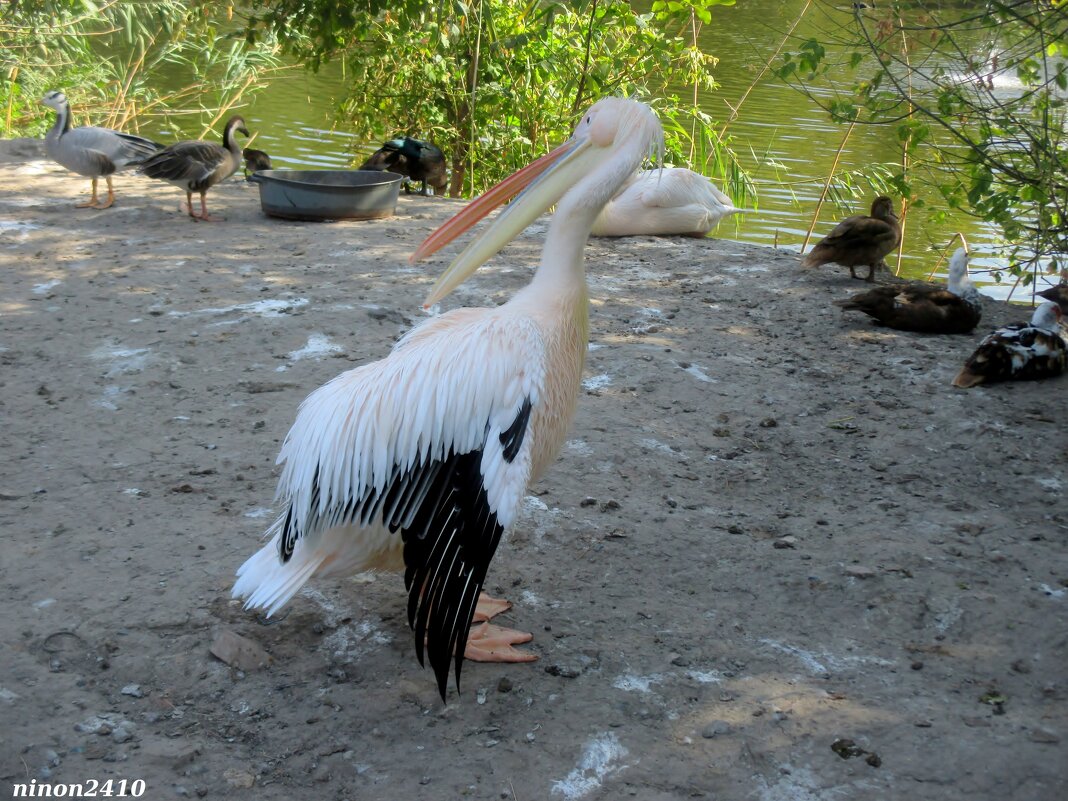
[[55, 100], [1047, 317], [612, 138]]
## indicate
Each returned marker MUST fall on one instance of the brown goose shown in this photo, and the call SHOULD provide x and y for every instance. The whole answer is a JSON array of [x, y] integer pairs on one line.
[[1058, 294], [196, 166], [926, 308], [859, 240], [1019, 352]]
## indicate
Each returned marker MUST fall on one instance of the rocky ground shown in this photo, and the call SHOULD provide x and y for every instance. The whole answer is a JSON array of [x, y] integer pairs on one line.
[[780, 558]]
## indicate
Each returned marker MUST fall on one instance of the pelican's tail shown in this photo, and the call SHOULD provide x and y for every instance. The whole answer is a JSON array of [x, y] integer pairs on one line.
[[265, 582]]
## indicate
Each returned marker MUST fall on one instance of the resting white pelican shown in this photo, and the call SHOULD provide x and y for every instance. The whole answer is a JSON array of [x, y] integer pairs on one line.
[[420, 460], [668, 201]]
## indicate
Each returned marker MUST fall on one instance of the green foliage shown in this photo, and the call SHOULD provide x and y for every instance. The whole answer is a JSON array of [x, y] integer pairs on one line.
[[494, 83], [105, 56], [989, 131]]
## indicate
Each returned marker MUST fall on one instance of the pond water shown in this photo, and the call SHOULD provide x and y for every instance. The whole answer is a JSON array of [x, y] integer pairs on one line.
[[782, 137]]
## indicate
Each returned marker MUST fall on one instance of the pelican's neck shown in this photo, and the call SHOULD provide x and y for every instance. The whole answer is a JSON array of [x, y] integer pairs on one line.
[[562, 264]]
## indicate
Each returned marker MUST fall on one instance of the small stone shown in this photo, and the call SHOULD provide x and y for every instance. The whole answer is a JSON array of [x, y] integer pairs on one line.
[[769, 422], [1021, 666], [239, 652], [678, 660], [239, 778], [504, 685], [873, 760], [785, 542], [95, 750], [610, 505], [715, 729], [587, 501], [1043, 736], [133, 690], [562, 671], [859, 571], [917, 665], [121, 734]]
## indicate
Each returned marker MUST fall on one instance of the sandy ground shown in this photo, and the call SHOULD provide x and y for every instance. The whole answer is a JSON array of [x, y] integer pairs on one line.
[[775, 527]]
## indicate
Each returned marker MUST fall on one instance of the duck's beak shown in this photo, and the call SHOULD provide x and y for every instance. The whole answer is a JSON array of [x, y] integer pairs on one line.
[[545, 182]]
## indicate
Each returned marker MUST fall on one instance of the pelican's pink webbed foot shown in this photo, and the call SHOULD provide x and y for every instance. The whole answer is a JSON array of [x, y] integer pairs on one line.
[[488, 642], [489, 607]]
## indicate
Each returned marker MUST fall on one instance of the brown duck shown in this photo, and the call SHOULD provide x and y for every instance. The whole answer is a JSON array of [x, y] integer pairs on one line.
[[859, 240], [255, 160], [953, 309], [1019, 352]]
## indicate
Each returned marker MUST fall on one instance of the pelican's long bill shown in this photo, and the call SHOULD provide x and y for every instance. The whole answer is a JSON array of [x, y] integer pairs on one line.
[[545, 182]]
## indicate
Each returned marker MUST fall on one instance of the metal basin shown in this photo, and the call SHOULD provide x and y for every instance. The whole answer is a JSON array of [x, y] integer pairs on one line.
[[328, 194]]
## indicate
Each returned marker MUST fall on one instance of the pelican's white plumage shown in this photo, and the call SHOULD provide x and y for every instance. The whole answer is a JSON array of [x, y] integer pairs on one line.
[[419, 460], [663, 202]]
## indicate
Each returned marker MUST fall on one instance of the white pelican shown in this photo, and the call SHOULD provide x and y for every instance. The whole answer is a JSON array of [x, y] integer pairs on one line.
[[668, 201], [91, 151], [420, 460]]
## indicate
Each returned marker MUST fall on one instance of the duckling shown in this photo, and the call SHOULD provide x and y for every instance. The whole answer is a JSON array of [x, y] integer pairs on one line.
[[255, 160], [673, 200], [91, 151], [196, 166], [926, 308], [860, 240], [1019, 352], [412, 158]]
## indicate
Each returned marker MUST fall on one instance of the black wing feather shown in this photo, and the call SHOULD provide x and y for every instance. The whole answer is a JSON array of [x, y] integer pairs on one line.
[[447, 552], [450, 535]]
